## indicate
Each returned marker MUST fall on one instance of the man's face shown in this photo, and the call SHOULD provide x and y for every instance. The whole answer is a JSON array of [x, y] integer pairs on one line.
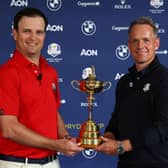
[[30, 36], [143, 43]]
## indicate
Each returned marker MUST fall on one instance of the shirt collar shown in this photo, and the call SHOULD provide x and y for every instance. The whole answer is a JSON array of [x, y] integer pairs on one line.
[[154, 64], [19, 57]]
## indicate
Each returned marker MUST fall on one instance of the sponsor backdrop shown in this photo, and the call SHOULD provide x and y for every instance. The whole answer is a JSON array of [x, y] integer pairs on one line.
[[82, 33]]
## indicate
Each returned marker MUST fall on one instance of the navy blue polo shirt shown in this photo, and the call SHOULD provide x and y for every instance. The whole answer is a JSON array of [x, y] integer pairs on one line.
[[141, 114]]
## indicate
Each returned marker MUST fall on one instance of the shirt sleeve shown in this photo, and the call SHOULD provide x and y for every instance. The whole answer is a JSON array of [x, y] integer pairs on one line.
[[56, 89], [9, 90], [113, 122]]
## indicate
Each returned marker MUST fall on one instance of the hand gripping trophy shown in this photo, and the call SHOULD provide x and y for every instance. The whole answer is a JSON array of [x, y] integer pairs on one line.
[[89, 135]]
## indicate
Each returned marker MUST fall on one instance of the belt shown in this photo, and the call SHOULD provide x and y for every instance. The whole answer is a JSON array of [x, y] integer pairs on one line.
[[29, 160]]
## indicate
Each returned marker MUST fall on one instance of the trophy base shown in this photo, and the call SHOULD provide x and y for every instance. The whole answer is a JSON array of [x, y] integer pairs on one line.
[[89, 145], [89, 135]]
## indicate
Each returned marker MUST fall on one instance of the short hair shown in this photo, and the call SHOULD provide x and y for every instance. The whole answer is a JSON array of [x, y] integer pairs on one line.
[[29, 12], [144, 20]]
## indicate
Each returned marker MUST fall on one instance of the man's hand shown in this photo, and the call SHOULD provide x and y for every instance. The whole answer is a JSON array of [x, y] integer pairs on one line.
[[109, 146], [68, 147]]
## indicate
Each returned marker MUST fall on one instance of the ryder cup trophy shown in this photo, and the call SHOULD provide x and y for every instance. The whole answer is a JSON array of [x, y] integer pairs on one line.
[[89, 135]]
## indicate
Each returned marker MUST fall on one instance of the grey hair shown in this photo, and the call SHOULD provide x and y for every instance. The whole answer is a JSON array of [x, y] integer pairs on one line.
[[144, 20]]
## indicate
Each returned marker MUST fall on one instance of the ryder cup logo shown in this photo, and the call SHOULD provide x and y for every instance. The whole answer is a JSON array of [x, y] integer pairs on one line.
[[156, 3], [122, 52], [89, 153], [88, 28], [54, 49], [54, 5]]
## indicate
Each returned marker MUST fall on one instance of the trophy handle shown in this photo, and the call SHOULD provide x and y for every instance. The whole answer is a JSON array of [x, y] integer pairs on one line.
[[106, 86], [75, 84]]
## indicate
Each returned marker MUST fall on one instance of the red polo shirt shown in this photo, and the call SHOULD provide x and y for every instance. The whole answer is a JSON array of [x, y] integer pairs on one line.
[[33, 99]]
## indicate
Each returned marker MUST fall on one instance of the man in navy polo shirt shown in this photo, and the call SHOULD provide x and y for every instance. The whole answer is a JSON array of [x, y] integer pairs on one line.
[[138, 128]]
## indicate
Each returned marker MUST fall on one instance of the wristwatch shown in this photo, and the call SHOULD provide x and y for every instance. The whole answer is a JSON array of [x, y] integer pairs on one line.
[[120, 148]]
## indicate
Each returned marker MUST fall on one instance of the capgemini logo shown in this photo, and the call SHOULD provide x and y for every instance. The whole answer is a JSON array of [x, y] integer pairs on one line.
[[86, 4]]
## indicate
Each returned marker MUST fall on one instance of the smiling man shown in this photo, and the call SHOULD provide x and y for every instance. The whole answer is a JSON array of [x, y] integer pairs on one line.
[[32, 130], [138, 128]]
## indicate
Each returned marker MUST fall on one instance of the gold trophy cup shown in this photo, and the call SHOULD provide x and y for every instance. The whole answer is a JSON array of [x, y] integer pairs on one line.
[[89, 135]]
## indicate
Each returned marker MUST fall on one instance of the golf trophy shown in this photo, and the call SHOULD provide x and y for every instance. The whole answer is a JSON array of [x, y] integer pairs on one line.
[[89, 135]]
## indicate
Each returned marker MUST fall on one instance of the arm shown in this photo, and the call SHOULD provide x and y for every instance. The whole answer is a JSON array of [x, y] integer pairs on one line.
[[62, 132], [110, 144], [157, 131], [12, 129]]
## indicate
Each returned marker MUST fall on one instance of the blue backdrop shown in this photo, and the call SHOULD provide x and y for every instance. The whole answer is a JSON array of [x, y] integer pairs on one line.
[[81, 33]]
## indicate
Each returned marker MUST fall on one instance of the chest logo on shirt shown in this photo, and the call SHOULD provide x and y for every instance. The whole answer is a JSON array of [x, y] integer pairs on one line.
[[131, 84], [53, 86], [146, 87]]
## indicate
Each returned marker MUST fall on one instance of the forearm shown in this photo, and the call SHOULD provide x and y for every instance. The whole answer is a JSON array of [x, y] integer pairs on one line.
[[126, 143], [21, 134], [62, 132], [16, 131]]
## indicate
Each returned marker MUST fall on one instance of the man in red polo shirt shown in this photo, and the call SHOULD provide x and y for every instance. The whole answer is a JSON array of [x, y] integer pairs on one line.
[[31, 128]]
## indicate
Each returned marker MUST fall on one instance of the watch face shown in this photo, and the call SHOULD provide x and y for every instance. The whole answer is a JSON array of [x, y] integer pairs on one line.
[[120, 149]]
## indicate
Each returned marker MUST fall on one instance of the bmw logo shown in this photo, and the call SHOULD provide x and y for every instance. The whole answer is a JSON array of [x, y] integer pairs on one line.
[[89, 153], [88, 28], [54, 5], [122, 52]]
